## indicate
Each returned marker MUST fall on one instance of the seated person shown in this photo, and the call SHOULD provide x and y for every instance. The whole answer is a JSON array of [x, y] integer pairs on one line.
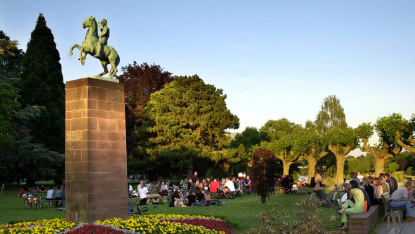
[[164, 190], [35, 189], [42, 189], [142, 190], [350, 207], [50, 194], [191, 198], [229, 186], [154, 192], [21, 193], [176, 199], [58, 196]]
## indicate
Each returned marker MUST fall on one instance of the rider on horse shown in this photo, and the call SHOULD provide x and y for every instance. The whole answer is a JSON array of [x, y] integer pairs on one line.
[[105, 34]]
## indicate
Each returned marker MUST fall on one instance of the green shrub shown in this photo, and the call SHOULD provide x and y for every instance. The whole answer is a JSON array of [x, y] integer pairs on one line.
[[409, 171], [393, 167], [264, 168]]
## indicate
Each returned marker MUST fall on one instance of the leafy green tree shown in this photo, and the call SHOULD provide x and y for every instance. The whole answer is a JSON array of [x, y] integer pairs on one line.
[[281, 134], [393, 167], [249, 137], [10, 59], [307, 144], [331, 115], [263, 172], [384, 150], [401, 130], [409, 171], [190, 116], [140, 81], [41, 84], [340, 142], [9, 108], [26, 159]]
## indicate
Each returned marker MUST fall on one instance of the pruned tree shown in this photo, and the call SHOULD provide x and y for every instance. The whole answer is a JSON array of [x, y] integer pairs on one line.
[[307, 144], [384, 150], [281, 134], [263, 172], [340, 142]]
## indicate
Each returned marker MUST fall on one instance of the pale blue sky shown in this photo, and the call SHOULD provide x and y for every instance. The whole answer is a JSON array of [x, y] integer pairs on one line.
[[273, 59]]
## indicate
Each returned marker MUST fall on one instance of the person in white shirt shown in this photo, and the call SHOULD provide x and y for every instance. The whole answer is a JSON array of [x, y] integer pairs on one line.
[[229, 184], [142, 190]]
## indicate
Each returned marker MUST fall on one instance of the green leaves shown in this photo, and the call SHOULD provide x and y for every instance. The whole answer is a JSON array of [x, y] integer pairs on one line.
[[331, 115], [364, 131], [190, 115]]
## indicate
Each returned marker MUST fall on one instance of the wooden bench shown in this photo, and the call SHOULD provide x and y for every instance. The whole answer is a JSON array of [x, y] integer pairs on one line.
[[361, 223], [165, 199], [50, 202]]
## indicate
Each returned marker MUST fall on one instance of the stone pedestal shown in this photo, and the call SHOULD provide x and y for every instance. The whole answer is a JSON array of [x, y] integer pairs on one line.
[[95, 151]]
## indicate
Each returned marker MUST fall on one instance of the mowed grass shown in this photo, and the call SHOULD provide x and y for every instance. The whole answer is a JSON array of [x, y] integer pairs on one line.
[[242, 211]]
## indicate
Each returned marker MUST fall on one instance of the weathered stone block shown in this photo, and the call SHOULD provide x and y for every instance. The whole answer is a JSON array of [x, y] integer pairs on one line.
[[95, 151]]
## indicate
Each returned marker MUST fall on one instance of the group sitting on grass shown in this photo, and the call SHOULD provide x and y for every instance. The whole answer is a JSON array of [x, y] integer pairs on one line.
[[191, 190]]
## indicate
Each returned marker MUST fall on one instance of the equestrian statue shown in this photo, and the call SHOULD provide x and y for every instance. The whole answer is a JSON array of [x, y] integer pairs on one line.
[[97, 47]]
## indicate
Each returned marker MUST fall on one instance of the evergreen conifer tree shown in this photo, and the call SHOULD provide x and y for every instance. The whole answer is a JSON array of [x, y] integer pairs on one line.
[[42, 84]]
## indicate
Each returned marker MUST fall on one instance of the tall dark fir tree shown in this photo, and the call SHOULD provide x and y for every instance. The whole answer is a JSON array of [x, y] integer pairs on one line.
[[41, 84]]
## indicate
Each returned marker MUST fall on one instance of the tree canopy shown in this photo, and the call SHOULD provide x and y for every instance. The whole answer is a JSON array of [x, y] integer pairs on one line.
[[41, 84], [331, 115], [190, 116], [140, 81]]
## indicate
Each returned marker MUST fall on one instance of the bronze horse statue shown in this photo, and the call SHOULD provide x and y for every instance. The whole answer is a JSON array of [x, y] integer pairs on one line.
[[107, 55]]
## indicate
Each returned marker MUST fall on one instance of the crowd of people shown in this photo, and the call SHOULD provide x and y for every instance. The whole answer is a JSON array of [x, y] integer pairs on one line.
[[51, 194], [192, 189], [363, 192]]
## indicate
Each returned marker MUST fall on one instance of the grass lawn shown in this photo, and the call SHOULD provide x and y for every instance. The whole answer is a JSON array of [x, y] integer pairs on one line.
[[242, 211]]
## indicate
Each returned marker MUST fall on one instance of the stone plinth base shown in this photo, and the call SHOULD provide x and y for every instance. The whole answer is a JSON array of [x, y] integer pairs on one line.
[[95, 151]]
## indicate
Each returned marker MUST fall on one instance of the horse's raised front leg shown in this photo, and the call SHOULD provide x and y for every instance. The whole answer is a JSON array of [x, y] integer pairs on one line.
[[71, 49]]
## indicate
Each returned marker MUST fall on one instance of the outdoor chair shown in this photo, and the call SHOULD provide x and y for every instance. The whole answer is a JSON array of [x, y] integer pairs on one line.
[[390, 211]]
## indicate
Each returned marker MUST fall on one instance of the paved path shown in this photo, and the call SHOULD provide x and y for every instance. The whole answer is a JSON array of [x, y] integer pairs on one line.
[[403, 228]]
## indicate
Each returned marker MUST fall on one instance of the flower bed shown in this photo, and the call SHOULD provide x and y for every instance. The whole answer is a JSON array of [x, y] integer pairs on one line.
[[135, 224]]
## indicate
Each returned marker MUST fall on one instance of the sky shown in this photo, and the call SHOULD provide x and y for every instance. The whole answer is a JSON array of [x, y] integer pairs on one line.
[[273, 59]]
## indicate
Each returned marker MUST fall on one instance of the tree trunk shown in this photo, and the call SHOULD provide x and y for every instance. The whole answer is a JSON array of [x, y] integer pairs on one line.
[[379, 165], [340, 169], [263, 199], [190, 168], [286, 166], [312, 162]]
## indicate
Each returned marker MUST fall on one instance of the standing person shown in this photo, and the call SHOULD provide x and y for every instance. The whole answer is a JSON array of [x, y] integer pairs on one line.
[[393, 184], [195, 181], [318, 178], [104, 35], [349, 207], [401, 197]]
